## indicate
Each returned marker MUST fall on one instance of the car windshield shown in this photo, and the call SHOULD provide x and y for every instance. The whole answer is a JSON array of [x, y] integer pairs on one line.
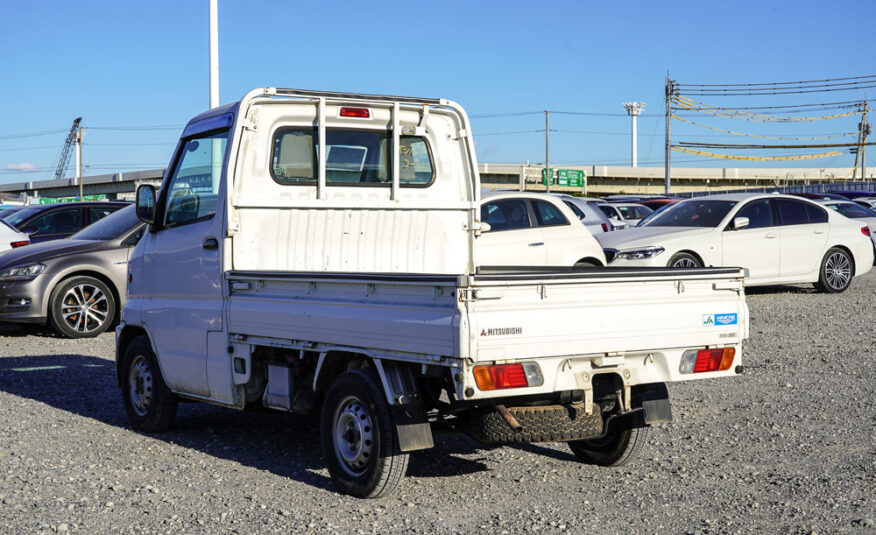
[[16, 217], [851, 210], [692, 213], [109, 227], [634, 212]]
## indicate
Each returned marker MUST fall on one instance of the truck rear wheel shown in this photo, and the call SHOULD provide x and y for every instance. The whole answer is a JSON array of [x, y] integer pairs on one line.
[[358, 438], [623, 442], [150, 405]]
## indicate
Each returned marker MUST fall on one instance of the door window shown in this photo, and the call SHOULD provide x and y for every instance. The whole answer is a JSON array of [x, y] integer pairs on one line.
[[96, 213], [194, 185], [64, 221], [548, 215], [575, 210], [508, 214], [793, 212], [759, 214]]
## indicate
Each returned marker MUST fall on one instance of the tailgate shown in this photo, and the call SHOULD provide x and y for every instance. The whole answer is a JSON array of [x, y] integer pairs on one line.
[[525, 315]]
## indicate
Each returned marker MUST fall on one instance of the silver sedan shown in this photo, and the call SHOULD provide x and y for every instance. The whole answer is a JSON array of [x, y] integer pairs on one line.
[[76, 285]]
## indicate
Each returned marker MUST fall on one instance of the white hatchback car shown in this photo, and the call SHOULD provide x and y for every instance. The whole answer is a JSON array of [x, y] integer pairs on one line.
[[778, 238], [533, 229]]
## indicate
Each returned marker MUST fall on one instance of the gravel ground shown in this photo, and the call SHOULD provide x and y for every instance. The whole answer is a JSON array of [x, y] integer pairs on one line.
[[786, 448]]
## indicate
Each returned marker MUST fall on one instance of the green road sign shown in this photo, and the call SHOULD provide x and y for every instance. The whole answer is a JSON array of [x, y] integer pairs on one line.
[[572, 178]]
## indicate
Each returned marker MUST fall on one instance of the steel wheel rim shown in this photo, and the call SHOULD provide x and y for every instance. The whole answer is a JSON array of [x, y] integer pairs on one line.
[[684, 263], [140, 385], [353, 436], [85, 308], [838, 271]]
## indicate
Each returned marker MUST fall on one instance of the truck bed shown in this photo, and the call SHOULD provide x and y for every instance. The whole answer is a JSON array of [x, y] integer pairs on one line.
[[496, 314]]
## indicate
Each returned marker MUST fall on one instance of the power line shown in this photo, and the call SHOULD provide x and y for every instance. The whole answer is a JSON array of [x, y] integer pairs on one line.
[[781, 83], [32, 134]]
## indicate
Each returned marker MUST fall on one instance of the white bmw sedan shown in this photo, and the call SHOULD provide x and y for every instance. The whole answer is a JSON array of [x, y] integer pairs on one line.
[[779, 238]]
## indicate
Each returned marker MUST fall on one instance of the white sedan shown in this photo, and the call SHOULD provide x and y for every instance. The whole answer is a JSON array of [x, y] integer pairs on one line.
[[533, 229], [779, 238], [628, 212]]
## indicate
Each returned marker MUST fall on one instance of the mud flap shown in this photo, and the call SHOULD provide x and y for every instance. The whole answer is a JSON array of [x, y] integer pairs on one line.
[[654, 398], [412, 427]]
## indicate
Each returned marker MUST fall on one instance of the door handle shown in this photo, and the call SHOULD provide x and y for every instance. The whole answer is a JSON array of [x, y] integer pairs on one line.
[[770, 235], [536, 244], [819, 232], [210, 243]]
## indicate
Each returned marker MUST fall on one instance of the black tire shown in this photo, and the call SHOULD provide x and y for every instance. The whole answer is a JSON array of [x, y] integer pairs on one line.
[[624, 441], [586, 263], [837, 270], [82, 307], [684, 260], [150, 405], [358, 437]]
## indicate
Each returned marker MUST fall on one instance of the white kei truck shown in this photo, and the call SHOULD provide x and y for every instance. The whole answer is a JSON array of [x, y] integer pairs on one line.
[[318, 251]]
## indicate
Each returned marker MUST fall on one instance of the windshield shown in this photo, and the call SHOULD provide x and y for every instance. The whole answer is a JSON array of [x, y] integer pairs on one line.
[[111, 226], [851, 210], [692, 213], [634, 212], [17, 216]]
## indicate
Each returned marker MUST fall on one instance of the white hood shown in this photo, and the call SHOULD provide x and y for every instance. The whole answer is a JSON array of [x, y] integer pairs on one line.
[[645, 236]]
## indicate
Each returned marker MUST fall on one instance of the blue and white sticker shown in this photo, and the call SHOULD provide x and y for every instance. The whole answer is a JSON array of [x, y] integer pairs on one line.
[[710, 320]]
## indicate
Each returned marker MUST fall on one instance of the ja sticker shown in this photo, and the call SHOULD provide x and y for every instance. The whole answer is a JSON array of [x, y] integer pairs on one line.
[[719, 319]]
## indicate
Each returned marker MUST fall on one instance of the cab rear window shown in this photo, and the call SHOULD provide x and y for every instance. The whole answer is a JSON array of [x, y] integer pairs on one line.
[[353, 158]]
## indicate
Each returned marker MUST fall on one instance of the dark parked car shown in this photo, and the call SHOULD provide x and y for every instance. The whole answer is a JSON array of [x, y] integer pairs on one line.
[[44, 222], [656, 204], [77, 285], [821, 196]]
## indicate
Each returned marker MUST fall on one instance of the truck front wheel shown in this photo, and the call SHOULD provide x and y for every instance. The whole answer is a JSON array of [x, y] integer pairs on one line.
[[358, 437], [150, 405], [624, 441]]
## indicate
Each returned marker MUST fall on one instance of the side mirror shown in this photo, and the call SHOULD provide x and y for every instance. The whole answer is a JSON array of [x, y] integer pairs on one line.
[[146, 203], [740, 223], [30, 231], [485, 227]]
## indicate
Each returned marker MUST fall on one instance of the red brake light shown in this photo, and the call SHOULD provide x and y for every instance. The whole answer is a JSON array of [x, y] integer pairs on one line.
[[713, 360], [865, 231], [16, 244], [604, 227], [508, 376], [362, 113]]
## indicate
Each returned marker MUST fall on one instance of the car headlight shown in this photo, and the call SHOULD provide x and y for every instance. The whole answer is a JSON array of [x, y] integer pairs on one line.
[[639, 254], [21, 273]]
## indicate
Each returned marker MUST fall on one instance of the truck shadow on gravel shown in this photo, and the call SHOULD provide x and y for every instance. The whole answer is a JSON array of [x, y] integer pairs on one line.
[[284, 444]]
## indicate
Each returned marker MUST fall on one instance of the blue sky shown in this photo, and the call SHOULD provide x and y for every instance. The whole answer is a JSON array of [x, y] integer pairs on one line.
[[137, 71]]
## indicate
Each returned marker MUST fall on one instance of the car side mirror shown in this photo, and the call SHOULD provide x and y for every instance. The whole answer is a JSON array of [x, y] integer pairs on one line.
[[30, 231], [740, 223], [485, 227], [146, 203]]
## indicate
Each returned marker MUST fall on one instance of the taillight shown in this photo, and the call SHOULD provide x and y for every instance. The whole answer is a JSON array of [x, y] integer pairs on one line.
[[707, 360], [604, 227], [16, 244], [362, 113], [865, 231], [503, 376]]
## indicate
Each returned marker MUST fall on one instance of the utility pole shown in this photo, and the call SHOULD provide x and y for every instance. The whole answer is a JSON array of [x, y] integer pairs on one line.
[[214, 55], [667, 157], [547, 154], [865, 131], [634, 109]]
